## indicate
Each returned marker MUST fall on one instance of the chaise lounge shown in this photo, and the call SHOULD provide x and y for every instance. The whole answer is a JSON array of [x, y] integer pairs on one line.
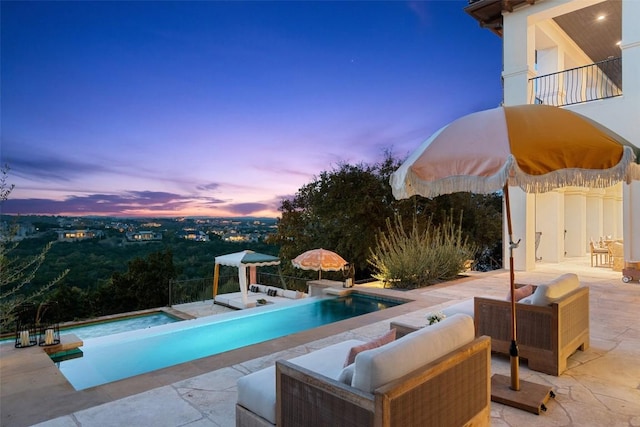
[[443, 379]]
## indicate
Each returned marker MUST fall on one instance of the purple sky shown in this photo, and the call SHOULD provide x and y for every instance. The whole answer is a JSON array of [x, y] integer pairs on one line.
[[224, 108]]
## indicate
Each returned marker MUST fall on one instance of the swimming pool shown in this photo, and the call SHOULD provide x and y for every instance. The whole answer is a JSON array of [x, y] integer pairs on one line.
[[115, 357], [119, 325], [110, 325]]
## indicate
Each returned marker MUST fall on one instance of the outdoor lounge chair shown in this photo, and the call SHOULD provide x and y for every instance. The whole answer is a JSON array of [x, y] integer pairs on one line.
[[551, 324]]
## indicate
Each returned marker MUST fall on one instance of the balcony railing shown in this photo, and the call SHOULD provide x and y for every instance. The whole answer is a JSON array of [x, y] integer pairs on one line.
[[582, 84]]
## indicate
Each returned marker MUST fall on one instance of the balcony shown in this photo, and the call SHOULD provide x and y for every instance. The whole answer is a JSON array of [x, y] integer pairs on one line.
[[592, 82]]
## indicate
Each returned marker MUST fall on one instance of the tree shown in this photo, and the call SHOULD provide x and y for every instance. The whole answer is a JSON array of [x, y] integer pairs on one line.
[[144, 285], [344, 210], [17, 273], [341, 210]]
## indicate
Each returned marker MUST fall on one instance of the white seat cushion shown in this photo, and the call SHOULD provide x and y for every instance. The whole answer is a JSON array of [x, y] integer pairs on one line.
[[290, 294], [379, 366], [464, 307], [257, 391], [552, 291]]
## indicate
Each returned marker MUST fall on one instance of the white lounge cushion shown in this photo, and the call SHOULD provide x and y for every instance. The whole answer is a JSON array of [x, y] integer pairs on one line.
[[464, 307], [552, 291], [290, 294], [379, 366], [346, 376], [257, 391]]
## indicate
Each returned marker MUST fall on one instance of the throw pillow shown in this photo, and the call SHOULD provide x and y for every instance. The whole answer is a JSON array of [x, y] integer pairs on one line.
[[346, 375], [521, 292], [555, 289], [378, 342]]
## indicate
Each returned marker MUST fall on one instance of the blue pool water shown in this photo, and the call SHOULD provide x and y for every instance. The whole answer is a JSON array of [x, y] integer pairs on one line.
[[115, 357], [111, 327], [114, 326]]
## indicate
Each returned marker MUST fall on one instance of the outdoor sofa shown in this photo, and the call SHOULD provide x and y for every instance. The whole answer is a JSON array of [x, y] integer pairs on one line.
[[438, 375]]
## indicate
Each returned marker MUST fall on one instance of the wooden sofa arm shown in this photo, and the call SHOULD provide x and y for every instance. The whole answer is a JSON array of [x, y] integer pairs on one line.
[[307, 398], [460, 376]]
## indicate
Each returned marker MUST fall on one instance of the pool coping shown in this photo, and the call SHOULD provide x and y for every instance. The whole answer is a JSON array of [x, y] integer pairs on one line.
[[29, 377]]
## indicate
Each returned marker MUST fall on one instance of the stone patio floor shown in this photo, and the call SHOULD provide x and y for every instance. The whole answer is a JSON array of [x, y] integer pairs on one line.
[[600, 387]]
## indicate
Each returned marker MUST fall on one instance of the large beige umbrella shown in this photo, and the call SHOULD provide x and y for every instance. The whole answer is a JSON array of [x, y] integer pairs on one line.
[[536, 147], [319, 260]]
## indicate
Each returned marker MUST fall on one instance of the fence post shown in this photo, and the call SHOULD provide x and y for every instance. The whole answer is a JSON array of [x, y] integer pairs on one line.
[[170, 291]]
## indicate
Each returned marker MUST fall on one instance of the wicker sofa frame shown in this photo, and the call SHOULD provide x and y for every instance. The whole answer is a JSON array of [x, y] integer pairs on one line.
[[546, 335], [452, 390]]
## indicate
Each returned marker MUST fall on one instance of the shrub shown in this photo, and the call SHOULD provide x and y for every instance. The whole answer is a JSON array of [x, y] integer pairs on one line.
[[419, 258], [17, 273]]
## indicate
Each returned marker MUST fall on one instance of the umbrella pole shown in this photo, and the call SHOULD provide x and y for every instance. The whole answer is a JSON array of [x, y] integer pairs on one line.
[[513, 350], [524, 395]]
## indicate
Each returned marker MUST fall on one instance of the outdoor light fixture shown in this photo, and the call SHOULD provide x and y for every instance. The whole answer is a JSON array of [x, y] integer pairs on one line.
[[26, 331], [48, 324]]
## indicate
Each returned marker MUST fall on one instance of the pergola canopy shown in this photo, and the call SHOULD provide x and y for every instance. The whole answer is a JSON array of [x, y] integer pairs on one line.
[[242, 260], [247, 258]]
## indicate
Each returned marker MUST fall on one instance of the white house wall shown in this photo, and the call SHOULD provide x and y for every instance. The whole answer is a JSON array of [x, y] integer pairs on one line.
[[595, 216], [548, 207], [615, 210]]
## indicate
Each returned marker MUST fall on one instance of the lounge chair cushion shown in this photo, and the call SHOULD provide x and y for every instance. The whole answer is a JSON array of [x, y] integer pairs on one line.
[[380, 341], [554, 290], [464, 307], [290, 294], [379, 366], [257, 391], [346, 375]]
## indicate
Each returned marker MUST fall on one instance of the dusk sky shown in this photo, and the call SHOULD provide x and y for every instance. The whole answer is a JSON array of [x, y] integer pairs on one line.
[[210, 108]]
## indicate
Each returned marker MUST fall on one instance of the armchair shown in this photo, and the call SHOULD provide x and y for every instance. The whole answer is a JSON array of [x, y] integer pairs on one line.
[[547, 334]]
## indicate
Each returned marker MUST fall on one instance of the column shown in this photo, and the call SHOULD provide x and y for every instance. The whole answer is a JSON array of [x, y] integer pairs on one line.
[[631, 221], [612, 211], [523, 224], [595, 215], [550, 222], [575, 220]]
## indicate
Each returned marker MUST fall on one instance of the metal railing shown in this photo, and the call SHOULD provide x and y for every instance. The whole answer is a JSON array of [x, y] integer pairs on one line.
[[192, 290], [600, 80]]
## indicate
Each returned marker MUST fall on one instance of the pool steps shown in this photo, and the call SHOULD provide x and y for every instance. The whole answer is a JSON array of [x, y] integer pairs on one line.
[[67, 342]]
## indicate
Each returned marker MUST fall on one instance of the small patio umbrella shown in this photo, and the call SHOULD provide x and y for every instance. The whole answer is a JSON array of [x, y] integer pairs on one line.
[[319, 260], [536, 147]]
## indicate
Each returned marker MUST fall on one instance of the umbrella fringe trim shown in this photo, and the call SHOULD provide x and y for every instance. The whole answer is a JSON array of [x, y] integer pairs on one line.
[[590, 178], [459, 183], [626, 170]]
